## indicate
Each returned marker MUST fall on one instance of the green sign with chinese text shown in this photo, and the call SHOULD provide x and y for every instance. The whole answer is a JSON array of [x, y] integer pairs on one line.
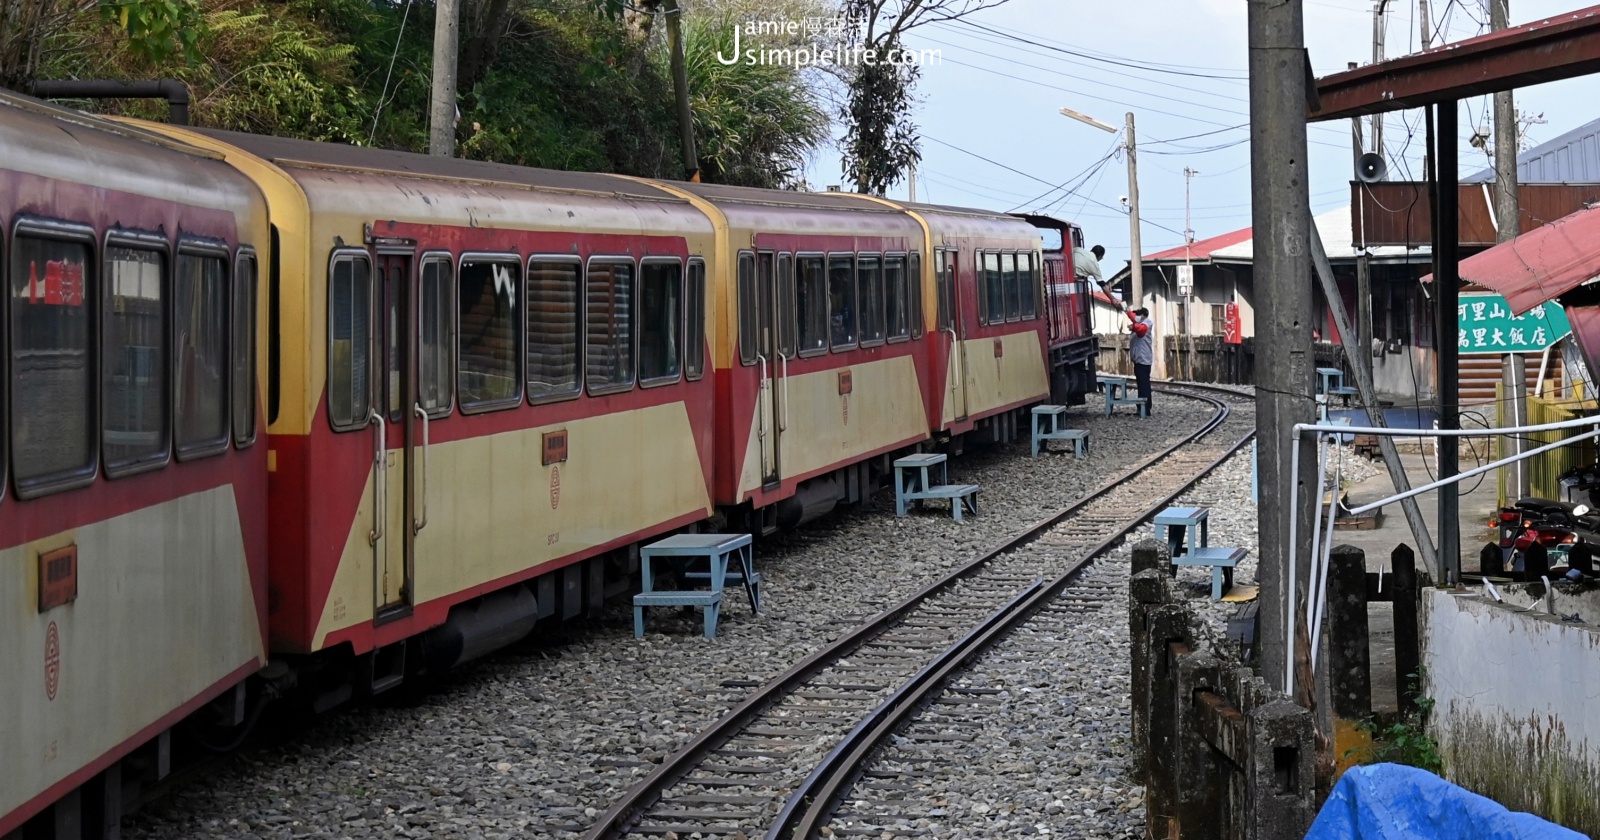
[[1484, 324]]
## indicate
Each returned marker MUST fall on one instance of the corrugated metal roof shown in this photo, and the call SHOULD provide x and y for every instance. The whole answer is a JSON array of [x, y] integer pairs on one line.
[[1239, 246], [1572, 158], [1540, 264]]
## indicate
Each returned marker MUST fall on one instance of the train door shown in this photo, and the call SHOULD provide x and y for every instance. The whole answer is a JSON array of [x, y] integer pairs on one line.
[[785, 326], [397, 404], [771, 365], [951, 322]]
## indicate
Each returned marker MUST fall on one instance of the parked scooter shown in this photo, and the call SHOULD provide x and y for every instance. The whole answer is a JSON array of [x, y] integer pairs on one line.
[[1547, 537]]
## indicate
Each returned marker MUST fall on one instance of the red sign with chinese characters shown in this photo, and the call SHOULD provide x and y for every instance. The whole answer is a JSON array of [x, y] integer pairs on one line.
[[62, 284], [1231, 332]]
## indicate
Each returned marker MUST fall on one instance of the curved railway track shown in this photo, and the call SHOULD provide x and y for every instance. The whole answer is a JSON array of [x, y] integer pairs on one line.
[[753, 772]]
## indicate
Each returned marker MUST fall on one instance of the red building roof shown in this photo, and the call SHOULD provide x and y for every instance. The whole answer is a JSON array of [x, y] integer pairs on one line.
[[1200, 250]]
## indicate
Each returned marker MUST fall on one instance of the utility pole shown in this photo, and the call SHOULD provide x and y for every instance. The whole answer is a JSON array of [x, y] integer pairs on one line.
[[1281, 214], [1135, 257], [1188, 261], [1447, 238], [1422, 21], [680, 89], [911, 184], [1508, 223], [442, 114]]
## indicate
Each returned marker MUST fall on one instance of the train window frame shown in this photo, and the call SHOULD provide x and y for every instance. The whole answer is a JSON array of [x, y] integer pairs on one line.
[[351, 255], [205, 249], [590, 387], [1011, 283], [580, 335], [980, 279], [1035, 284], [137, 240], [748, 305], [890, 336], [638, 334], [881, 317], [447, 300], [993, 283], [801, 350], [694, 320], [855, 302], [252, 316], [914, 285], [786, 322], [944, 314], [37, 227], [519, 328]]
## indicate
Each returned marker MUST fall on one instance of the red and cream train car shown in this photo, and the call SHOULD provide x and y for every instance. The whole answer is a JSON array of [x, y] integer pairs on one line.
[[133, 533]]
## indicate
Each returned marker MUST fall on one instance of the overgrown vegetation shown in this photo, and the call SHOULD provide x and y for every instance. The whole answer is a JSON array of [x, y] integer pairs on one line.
[[1404, 741], [564, 84]]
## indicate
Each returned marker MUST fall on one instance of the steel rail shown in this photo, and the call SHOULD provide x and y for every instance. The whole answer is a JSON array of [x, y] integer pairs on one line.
[[619, 818], [818, 798]]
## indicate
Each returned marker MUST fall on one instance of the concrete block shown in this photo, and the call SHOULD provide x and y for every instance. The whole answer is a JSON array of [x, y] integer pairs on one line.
[[1280, 780]]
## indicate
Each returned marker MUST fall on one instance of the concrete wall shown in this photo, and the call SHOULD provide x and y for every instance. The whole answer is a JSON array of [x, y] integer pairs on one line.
[[1515, 697]]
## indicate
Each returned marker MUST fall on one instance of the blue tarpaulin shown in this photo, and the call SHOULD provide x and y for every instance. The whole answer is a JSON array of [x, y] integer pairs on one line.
[[1392, 801]]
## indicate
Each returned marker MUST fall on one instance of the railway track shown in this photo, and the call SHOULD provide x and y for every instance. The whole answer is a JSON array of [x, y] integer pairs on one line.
[[778, 764]]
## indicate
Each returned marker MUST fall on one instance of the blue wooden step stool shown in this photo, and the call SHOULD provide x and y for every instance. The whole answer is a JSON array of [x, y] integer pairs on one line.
[[1183, 529], [1046, 427], [1116, 389], [1221, 561], [715, 550], [913, 482]]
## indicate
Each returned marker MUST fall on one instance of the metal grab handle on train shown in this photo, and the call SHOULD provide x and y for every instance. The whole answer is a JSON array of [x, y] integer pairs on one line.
[[418, 524], [783, 422], [766, 385], [380, 475]]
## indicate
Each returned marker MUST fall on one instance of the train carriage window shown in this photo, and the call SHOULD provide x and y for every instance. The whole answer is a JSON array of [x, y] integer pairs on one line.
[[944, 289], [869, 279], [786, 306], [914, 275], [52, 362], [694, 341], [811, 305], [994, 293], [243, 377], [349, 341], [897, 298], [749, 309], [1032, 283], [436, 327], [489, 322], [660, 321], [608, 318], [136, 430], [842, 300], [1008, 274], [200, 352], [555, 312]]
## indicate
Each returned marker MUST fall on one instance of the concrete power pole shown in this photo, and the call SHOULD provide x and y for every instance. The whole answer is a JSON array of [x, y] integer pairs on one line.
[[1136, 256], [1508, 223], [442, 114], [911, 184], [1281, 214]]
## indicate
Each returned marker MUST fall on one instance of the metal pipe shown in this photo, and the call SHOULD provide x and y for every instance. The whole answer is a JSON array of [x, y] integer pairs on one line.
[[1294, 528], [1325, 556], [1498, 430], [175, 92], [1493, 465]]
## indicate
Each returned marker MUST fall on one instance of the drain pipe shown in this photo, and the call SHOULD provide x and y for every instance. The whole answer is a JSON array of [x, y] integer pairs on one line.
[[175, 92]]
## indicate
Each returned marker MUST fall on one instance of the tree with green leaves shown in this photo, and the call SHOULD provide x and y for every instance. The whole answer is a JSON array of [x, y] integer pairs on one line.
[[880, 141]]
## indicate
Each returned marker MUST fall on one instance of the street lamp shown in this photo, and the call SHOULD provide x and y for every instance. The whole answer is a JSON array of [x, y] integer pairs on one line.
[[1136, 264]]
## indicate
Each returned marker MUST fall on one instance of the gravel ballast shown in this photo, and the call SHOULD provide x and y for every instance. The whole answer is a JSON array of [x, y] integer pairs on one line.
[[539, 739]]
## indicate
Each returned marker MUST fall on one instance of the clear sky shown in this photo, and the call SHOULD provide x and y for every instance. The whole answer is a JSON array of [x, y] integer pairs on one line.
[[998, 97]]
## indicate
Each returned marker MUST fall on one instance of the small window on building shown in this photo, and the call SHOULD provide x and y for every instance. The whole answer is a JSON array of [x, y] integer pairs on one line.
[[608, 318], [437, 326], [811, 305], [200, 350], [994, 292], [488, 290], [135, 430], [897, 299], [1219, 319], [555, 306], [1008, 272], [869, 280], [914, 277], [243, 376], [749, 309], [660, 321], [694, 342], [52, 364], [842, 300], [786, 307], [349, 341]]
